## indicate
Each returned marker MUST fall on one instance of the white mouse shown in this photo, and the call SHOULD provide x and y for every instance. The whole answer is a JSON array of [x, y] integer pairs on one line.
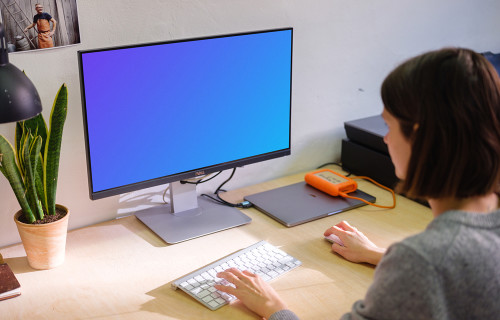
[[334, 239]]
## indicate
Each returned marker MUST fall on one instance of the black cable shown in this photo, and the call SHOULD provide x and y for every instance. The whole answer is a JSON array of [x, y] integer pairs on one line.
[[337, 164], [329, 163], [227, 180], [244, 204], [200, 181]]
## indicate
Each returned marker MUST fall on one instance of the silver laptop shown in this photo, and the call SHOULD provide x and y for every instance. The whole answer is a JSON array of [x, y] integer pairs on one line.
[[299, 203]]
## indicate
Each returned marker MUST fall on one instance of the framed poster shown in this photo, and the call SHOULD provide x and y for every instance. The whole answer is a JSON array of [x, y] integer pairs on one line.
[[39, 24]]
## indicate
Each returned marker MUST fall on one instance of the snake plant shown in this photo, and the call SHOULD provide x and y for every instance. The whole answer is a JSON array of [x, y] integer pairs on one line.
[[32, 167]]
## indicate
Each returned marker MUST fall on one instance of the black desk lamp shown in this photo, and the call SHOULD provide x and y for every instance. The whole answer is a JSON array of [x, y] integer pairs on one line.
[[19, 99]]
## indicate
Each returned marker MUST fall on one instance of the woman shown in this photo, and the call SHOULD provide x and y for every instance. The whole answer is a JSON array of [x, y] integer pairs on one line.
[[442, 109]]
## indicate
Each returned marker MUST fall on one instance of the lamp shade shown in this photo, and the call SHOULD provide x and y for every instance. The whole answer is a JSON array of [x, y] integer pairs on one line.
[[19, 99]]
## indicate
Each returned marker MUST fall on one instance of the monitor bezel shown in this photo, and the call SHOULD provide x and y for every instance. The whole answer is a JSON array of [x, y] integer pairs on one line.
[[95, 195]]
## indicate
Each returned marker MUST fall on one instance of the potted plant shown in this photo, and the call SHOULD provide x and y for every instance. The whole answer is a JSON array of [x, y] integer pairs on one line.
[[32, 171]]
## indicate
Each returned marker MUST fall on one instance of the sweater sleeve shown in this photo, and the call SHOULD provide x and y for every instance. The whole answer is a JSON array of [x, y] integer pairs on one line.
[[283, 315], [405, 286]]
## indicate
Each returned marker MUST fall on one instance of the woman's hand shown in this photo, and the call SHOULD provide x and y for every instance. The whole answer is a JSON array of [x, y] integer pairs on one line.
[[256, 294], [356, 246]]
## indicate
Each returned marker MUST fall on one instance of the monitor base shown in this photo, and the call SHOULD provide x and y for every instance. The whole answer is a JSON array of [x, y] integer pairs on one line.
[[208, 218]]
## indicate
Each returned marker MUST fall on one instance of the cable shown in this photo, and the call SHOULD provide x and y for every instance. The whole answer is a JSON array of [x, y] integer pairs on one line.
[[164, 193], [200, 180], [345, 195], [329, 163], [337, 164], [195, 181], [230, 177], [244, 204]]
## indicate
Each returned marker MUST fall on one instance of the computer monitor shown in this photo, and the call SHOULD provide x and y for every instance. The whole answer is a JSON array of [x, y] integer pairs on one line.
[[164, 112], [494, 59]]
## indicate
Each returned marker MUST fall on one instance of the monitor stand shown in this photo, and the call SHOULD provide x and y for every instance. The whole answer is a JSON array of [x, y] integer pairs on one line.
[[189, 216]]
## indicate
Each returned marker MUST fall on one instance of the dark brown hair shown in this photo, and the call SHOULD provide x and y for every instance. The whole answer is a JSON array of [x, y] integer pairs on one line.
[[447, 103]]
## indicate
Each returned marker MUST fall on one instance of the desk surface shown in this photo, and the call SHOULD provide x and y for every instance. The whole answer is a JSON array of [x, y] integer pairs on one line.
[[121, 270]]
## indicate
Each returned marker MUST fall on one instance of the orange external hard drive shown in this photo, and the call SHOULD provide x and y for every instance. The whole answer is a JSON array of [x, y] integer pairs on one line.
[[330, 182]]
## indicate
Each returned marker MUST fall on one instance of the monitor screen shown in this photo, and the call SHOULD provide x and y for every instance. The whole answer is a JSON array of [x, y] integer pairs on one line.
[[166, 111], [494, 59]]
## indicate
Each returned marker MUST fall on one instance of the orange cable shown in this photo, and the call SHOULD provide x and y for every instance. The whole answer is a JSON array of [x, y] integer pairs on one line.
[[367, 202]]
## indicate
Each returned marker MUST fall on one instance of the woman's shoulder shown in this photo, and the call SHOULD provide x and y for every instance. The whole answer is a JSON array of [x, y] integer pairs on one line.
[[452, 235]]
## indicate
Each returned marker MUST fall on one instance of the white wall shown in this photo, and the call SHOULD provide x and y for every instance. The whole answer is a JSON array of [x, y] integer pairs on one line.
[[342, 51]]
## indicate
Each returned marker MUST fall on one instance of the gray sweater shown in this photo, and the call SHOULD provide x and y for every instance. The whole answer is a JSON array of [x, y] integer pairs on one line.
[[449, 271]]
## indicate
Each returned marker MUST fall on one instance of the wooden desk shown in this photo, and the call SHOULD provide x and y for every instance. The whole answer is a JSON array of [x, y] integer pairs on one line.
[[121, 270]]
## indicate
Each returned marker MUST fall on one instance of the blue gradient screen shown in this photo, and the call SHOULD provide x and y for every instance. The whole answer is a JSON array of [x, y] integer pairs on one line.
[[162, 109]]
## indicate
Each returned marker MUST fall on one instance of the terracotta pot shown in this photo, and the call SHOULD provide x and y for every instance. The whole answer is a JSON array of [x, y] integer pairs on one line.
[[45, 244]]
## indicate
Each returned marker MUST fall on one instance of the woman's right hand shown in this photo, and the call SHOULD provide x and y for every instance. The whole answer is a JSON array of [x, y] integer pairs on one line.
[[356, 246], [252, 291]]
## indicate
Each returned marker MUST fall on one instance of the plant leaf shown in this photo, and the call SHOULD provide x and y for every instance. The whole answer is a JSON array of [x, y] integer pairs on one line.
[[39, 180], [34, 158], [25, 163], [31, 151], [19, 145], [13, 175], [36, 125], [53, 147]]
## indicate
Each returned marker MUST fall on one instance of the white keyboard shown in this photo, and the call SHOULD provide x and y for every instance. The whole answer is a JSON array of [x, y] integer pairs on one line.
[[261, 258]]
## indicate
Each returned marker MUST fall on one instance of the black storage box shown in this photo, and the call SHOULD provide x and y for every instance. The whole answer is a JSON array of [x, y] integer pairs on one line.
[[363, 161], [368, 132], [364, 151]]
